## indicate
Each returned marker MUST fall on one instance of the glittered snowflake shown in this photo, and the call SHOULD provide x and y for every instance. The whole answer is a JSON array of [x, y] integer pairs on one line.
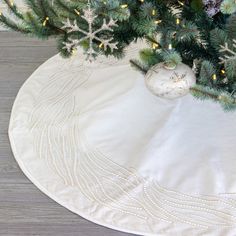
[[229, 54], [91, 35]]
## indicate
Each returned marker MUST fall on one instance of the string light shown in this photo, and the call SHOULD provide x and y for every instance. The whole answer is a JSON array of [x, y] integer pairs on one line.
[[158, 21], [141, 1], [12, 3], [155, 46], [45, 21], [100, 45], [177, 21], [214, 77], [223, 71], [74, 51], [153, 12], [77, 12], [181, 3], [124, 6], [170, 46]]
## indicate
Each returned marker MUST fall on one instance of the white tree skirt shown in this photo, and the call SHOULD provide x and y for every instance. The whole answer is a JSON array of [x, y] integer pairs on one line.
[[94, 139]]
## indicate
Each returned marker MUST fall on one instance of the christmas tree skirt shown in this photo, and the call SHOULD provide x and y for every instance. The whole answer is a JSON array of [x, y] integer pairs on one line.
[[93, 138]]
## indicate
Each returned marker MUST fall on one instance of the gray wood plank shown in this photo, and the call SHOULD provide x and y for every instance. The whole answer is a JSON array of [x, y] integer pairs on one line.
[[24, 210]]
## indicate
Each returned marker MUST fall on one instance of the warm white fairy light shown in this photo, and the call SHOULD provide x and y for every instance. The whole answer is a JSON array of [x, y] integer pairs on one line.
[[155, 46], [77, 12], [158, 21], [214, 77], [181, 3], [124, 6], [177, 21], [45, 21], [222, 71]]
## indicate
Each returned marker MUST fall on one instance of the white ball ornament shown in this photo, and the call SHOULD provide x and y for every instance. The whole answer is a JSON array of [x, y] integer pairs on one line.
[[170, 83]]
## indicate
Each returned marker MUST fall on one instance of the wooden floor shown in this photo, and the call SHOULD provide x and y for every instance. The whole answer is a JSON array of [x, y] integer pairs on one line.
[[24, 210]]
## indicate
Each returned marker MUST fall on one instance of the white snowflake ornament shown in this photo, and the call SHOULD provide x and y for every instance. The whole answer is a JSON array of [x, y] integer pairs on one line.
[[228, 53], [89, 16]]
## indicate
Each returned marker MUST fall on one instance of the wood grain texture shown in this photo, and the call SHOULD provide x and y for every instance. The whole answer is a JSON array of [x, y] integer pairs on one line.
[[24, 210]]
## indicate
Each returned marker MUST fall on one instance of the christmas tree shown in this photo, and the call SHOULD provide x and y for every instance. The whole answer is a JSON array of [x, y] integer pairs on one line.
[[201, 34], [198, 33]]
